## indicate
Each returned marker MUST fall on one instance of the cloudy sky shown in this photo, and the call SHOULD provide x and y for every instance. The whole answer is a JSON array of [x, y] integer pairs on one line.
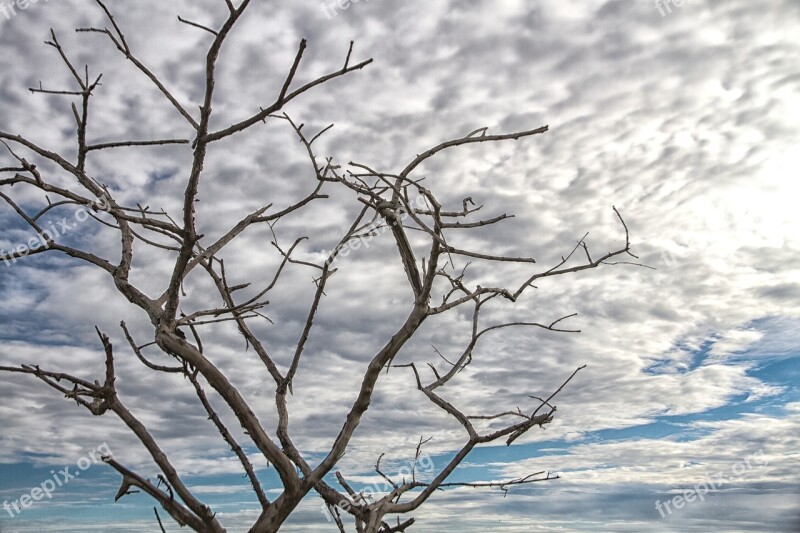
[[683, 117]]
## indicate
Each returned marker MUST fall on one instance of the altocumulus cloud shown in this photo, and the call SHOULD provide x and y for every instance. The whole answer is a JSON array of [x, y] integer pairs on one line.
[[686, 122]]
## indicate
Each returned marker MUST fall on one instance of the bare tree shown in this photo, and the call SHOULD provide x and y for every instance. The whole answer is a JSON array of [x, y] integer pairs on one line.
[[396, 203]]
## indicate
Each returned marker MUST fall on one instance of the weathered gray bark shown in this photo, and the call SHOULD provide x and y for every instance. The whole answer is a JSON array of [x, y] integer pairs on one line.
[[386, 199]]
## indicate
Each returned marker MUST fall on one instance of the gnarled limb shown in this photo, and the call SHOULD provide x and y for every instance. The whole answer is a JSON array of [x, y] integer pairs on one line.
[[424, 229]]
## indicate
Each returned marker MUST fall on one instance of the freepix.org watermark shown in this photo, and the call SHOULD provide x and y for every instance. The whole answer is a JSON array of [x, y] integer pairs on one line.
[[377, 228], [664, 8], [711, 484], [422, 465], [9, 9], [332, 8], [59, 479], [50, 232]]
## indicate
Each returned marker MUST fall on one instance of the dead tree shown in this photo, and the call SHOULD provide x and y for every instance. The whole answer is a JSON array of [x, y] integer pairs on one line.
[[392, 202]]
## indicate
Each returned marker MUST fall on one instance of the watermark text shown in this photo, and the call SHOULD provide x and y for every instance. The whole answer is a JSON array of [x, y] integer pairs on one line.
[[710, 484], [59, 479]]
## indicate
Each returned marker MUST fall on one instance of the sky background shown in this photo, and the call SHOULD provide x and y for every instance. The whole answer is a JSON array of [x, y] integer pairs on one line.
[[684, 118]]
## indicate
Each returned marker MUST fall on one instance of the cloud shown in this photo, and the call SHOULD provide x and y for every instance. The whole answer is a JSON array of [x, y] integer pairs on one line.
[[686, 123]]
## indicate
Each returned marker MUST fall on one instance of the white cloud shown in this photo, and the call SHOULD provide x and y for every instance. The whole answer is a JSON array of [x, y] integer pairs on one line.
[[687, 123]]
